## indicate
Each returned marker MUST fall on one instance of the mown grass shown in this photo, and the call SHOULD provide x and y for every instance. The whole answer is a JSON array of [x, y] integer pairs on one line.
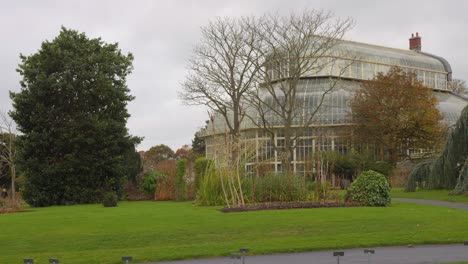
[[441, 195], [152, 231]]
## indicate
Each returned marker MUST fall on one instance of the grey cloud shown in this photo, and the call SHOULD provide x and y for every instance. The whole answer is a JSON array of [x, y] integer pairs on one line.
[[161, 35]]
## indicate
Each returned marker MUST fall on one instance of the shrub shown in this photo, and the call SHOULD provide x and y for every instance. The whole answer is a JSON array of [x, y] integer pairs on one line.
[[210, 191], [10, 206], [149, 183], [110, 199], [370, 189], [181, 168], [351, 164], [200, 167], [277, 188], [133, 193]]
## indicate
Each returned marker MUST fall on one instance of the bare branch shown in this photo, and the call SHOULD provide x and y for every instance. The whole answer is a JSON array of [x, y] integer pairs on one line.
[[293, 48], [8, 147], [222, 69]]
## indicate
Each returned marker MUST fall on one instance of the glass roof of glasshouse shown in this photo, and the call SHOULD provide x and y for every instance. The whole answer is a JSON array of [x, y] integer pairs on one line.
[[387, 56], [433, 71], [335, 108]]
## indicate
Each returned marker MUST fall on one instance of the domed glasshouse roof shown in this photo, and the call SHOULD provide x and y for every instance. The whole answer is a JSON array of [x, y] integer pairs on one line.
[[361, 61]]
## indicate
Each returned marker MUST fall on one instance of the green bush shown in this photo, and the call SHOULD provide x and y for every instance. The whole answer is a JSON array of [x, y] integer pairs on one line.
[[149, 183], [110, 199], [181, 168], [351, 164], [370, 189]]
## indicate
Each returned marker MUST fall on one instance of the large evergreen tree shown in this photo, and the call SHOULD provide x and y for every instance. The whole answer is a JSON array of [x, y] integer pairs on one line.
[[198, 145], [72, 113], [450, 169]]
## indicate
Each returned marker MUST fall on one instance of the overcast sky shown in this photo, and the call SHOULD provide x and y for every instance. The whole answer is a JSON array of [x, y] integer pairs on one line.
[[161, 35]]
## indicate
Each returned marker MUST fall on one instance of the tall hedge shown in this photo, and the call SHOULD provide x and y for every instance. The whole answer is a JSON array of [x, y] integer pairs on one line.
[[181, 168], [200, 166]]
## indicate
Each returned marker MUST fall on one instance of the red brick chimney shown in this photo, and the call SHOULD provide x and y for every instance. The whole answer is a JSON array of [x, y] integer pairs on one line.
[[415, 42]]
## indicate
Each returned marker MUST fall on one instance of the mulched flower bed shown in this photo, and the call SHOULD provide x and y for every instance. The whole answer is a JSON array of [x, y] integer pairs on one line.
[[280, 206], [11, 211]]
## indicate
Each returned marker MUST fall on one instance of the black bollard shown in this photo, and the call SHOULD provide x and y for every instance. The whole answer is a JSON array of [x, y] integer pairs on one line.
[[243, 251], [369, 252], [338, 254], [127, 259]]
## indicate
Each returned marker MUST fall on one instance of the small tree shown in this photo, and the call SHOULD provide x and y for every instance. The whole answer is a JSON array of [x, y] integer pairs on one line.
[[222, 70], [149, 183], [198, 146], [458, 86], [155, 155], [395, 112], [184, 152], [8, 149]]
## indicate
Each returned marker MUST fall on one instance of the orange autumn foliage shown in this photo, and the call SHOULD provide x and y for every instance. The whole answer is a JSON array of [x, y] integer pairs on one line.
[[396, 112]]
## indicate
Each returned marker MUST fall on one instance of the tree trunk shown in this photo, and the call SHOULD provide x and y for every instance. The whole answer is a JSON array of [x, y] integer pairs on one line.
[[287, 152], [13, 177]]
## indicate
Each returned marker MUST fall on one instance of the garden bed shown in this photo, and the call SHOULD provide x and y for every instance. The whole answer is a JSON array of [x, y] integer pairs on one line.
[[289, 205]]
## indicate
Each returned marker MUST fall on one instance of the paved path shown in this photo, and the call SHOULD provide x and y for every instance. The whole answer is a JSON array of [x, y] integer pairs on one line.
[[383, 255], [434, 202]]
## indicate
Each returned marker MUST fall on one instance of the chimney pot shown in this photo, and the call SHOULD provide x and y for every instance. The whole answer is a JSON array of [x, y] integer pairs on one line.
[[415, 42]]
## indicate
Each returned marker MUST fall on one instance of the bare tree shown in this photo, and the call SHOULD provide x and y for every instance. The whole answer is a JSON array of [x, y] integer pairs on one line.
[[458, 86], [222, 70], [8, 148], [293, 47]]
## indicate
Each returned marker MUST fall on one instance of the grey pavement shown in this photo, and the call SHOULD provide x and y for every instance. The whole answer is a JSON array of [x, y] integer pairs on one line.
[[383, 255], [434, 202]]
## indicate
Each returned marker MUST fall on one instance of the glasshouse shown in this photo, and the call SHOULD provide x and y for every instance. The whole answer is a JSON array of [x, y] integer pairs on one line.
[[353, 63]]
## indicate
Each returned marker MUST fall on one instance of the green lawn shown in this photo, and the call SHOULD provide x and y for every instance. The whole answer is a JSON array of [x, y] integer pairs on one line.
[[174, 230], [442, 195]]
